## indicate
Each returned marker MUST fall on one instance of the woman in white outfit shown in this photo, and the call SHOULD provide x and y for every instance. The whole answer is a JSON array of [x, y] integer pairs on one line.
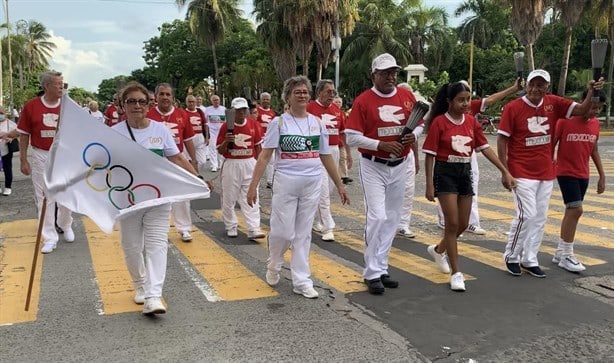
[[144, 233], [300, 144], [7, 134]]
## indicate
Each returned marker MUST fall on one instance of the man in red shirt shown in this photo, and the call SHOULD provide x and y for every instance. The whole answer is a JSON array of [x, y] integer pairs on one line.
[[345, 154], [375, 124], [577, 142], [197, 119], [178, 123], [331, 116], [524, 146], [239, 163], [265, 115], [114, 112], [37, 126]]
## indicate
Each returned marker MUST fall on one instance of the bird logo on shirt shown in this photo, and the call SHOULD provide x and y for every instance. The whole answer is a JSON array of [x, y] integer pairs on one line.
[[241, 140], [266, 118], [459, 144], [195, 120], [329, 121], [172, 127], [50, 119], [388, 113], [537, 124]]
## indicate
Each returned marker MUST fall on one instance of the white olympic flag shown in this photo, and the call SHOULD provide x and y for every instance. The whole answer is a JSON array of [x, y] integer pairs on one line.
[[95, 171]]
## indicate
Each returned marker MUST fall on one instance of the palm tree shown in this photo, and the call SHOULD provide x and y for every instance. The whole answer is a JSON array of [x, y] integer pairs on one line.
[[486, 25], [209, 21], [527, 23], [276, 37], [570, 12], [603, 22], [37, 47], [426, 26]]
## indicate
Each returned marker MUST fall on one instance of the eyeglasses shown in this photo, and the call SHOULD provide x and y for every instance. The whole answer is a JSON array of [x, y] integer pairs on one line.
[[386, 74], [331, 92], [300, 93], [141, 102]]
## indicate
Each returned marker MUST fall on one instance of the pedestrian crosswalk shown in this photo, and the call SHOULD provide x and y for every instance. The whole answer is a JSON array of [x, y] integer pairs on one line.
[[221, 275]]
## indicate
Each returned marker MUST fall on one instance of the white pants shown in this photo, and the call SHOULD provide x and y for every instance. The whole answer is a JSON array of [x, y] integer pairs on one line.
[[410, 191], [200, 148], [474, 217], [383, 187], [236, 177], [145, 245], [294, 203], [182, 216], [214, 157], [323, 214], [49, 234], [531, 198]]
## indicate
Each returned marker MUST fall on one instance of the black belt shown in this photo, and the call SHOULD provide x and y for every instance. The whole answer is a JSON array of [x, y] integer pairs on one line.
[[392, 163]]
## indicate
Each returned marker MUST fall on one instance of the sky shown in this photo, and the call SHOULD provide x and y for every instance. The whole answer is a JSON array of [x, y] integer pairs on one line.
[[99, 39]]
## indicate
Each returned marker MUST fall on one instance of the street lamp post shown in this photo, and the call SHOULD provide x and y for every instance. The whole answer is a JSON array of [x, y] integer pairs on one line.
[[8, 40]]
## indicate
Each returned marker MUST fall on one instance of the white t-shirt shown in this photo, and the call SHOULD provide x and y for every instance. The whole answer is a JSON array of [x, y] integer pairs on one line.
[[156, 137], [97, 115], [6, 126], [216, 116], [298, 144]]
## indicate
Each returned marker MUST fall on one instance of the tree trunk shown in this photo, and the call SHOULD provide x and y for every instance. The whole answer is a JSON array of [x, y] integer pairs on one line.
[[216, 71], [319, 71], [565, 66], [530, 60]]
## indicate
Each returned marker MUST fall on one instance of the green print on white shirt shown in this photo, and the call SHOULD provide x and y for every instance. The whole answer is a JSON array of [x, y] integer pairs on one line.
[[299, 143]]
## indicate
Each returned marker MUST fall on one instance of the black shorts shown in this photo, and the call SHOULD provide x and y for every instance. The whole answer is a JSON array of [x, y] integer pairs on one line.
[[573, 190], [452, 178]]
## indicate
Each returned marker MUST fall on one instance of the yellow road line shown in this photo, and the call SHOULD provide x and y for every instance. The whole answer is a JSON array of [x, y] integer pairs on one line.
[[227, 275], [16, 254], [325, 269], [114, 282]]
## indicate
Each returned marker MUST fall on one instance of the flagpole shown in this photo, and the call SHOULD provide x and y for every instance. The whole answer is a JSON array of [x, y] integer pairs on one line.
[[41, 221]]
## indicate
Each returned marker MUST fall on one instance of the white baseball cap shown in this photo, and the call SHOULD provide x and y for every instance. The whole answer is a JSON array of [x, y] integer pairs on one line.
[[539, 73], [239, 103], [383, 62]]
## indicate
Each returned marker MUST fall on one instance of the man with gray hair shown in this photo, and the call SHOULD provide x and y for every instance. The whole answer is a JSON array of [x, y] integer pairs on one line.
[[333, 119], [37, 127], [216, 116]]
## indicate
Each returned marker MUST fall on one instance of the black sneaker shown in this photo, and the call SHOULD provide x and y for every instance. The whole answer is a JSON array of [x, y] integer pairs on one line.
[[513, 268], [375, 286], [534, 271], [388, 282]]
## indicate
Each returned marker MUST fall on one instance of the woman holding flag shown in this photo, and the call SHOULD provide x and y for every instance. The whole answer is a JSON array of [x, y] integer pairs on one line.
[[144, 233]]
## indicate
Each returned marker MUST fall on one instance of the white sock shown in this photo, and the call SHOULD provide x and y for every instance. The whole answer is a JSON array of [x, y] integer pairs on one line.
[[566, 248]]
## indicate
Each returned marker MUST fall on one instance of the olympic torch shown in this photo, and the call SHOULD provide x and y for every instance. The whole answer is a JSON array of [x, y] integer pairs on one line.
[[599, 48], [417, 113], [230, 123]]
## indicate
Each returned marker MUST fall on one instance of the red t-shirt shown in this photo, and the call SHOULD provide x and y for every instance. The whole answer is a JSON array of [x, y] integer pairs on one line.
[[577, 138], [477, 106], [39, 120], [112, 116], [454, 143], [247, 136], [197, 120], [381, 118], [529, 130], [177, 122], [265, 117], [332, 117]]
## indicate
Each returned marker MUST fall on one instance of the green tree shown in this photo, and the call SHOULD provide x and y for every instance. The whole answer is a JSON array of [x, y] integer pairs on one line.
[[108, 87], [427, 25], [79, 94], [528, 18], [486, 25], [569, 12], [209, 21], [37, 46], [603, 22]]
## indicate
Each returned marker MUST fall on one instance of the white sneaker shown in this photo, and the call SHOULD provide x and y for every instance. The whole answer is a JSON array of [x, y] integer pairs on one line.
[[317, 227], [186, 237], [457, 282], [407, 233], [69, 235], [139, 295], [441, 259], [308, 292], [571, 264], [7, 191], [328, 236], [253, 235], [232, 232], [48, 247], [557, 257], [153, 305], [476, 229], [272, 277]]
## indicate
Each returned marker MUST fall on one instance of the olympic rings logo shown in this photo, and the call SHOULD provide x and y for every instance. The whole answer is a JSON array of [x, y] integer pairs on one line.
[[115, 180]]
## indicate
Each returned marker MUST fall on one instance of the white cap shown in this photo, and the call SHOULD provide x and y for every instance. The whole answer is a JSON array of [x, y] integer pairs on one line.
[[239, 103], [383, 62], [539, 73]]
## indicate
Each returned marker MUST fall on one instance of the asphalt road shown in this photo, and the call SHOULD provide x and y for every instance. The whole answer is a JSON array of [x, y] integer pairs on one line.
[[564, 317]]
